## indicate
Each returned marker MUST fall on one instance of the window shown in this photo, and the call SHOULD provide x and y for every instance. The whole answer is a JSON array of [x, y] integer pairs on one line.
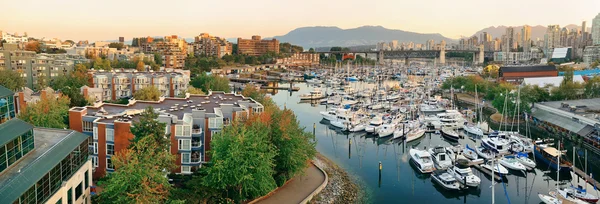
[[95, 161], [215, 122], [185, 144], [110, 135], [110, 149], [88, 126], [185, 157], [178, 130], [109, 164], [59, 201], [78, 191], [186, 169], [87, 179], [95, 147], [95, 133], [187, 130], [70, 196]]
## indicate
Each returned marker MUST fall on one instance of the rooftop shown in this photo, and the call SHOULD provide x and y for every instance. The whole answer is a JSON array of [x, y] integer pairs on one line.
[[535, 68], [182, 105], [51, 147], [13, 128], [5, 92]]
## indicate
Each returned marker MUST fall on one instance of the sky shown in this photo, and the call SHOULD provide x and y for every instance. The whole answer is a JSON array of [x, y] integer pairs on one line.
[[109, 19]]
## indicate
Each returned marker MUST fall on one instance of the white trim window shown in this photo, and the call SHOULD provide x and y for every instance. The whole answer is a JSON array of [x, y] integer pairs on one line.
[[185, 158], [216, 122], [183, 131], [185, 144], [110, 149], [95, 161], [109, 164], [110, 135], [186, 169], [95, 148], [95, 133]]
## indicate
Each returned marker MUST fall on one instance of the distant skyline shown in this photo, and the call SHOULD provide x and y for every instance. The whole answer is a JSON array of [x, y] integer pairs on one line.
[[110, 19]]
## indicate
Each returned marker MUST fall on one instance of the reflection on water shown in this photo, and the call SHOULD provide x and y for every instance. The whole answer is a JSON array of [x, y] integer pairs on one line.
[[360, 154]]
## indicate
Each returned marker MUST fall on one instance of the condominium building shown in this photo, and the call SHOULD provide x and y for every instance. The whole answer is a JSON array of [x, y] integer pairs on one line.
[[7, 107], [107, 86], [34, 67], [14, 38], [301, 59], [27, 96], [551, 39], [508, 58], [256, 46], [190, 124], [172, 49], [526, 38], [205, 44], [42, 165], [596, 30]]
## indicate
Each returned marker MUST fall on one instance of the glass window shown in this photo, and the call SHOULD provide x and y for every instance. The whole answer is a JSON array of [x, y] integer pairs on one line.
[[178, 130], [87, 179], [110, 149], [187, 130], [186, 169], [95, 133], [87, 126], [95, 161], [3, 164], [78, 191], [109, 164], [70, 196], [185, 145], [185, 157], [110, 135], [59, 201]]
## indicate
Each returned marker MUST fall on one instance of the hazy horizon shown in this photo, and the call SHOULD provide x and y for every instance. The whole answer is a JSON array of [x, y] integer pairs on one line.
[[82, 20]]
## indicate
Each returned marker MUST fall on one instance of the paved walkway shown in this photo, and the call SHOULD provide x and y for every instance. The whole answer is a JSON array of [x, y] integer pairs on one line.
[[298, 188]]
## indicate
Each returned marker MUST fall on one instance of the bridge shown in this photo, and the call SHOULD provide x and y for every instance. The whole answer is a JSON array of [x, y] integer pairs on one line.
[[439, 55]]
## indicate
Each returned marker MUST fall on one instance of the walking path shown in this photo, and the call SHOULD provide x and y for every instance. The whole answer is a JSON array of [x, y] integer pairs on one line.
[[297, 189]]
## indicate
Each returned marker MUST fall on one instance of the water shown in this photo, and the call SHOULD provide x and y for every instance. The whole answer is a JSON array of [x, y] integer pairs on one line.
[[359, 154]]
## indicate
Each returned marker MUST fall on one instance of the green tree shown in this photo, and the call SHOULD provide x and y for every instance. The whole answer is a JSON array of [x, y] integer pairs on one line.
[[594, 64], [70, 84], [148, 125], [139, 175], [242, 158], [211, 82], [117, 45], [140, 66], [311, 50], [158, 59], [11, 80], [193, 90], [149, 93], [592, 87], [51, 111]]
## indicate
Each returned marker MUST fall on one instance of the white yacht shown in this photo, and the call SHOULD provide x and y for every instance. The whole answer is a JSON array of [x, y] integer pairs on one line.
[[470, 153], [450, 134], [386, 130], [511, 162], [464, 175], [415, 134], [497, 168], [445, 179], [429, 109], [314, 81], [440, 158], [374, 124], [332, 113], [525, 160], [496, 143], [451, 119], [422, 159], [473, 129], [484, 153], [315, 94]]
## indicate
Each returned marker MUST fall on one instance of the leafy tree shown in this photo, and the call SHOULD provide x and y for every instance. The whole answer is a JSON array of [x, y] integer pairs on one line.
[[242, 158], [117, 45], [139, 175], [51, 111], [100, 63], [148, 125], [193, 90], [70, 84], [2, 42], [140, 66], [149, 93], [55, 51], [158, 59], [11, 80], [594, 64], [211, 82], [41, 83], [592, 87], [311, 50], [33, 46]]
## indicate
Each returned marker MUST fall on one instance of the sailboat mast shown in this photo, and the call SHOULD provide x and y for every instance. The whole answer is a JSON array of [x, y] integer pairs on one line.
[[558, 168], [518, 107]]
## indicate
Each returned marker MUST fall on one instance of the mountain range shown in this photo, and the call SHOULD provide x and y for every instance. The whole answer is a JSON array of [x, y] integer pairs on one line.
[[321, 36], [536, 31]]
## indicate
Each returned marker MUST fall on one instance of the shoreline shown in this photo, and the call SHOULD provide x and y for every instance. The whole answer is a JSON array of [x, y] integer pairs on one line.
[[341, 188]]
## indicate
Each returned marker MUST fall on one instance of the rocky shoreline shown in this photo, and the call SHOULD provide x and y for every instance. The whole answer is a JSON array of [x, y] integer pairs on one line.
[[341, 188]]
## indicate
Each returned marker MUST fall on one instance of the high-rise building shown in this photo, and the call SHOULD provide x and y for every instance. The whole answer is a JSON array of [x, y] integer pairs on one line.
[[526, 38], [257, 46], [596, 30], [510, 39], [172, 49], [205, 44], [551, 39], [394, 44], [430, 45]]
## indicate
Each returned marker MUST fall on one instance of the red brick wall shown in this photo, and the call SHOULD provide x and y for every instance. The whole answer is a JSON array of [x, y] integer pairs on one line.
[[85, 92], [22, 103], [123, 135], [101, 170], [75, 119], [529, 74], [112, 85], [171, 94]]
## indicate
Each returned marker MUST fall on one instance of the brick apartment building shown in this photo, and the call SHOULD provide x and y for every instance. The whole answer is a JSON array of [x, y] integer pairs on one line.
[[256, 46], [191, 122], [204, 44], [515, 74], [107, 86], [172, 49]]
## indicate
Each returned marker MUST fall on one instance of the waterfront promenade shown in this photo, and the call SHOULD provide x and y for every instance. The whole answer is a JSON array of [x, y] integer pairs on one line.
[[297, 189]]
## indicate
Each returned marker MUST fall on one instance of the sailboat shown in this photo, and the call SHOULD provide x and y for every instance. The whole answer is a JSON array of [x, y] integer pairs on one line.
[[474, 129], [559, 196]]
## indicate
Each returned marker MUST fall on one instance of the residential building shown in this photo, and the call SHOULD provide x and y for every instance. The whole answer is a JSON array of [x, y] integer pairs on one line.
[[14, 38], [172, 49], [118, 84], [591, 54], [205, 44], [515, 74], [27, 96], [551, 39], [526, 38], [7, 105], [596, 30], [430, 45], [300, 59], [517, 57], [42, 165], [190, 124], [35, 67], [256, 46]]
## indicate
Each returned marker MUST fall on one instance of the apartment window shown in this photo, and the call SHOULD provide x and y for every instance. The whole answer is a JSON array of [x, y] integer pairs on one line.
[[187, 130], [109, 164], [88, 126], [59, 201], [110, 135], [95, 133], [186, 169], [215, 122], [95, 147], [110, 149], [78, 191], [70, 196], [87, 179], [95, 161], [178, 130], [185, 144], [185, 158]]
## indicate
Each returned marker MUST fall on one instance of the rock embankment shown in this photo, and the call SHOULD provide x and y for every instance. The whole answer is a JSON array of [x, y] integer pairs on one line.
[[340, 187]]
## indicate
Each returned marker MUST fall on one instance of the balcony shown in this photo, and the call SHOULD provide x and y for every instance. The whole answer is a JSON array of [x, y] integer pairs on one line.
[[195, 157], [196, 130]]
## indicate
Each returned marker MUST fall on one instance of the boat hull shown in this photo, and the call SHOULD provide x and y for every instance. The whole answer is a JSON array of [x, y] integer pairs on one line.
[[551, 163]]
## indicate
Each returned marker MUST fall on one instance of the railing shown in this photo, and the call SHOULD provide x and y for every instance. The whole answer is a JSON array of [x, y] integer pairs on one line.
[[196, 131]]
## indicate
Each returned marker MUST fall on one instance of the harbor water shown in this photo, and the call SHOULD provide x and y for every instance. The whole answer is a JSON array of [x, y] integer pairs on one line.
[[399, 181]]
